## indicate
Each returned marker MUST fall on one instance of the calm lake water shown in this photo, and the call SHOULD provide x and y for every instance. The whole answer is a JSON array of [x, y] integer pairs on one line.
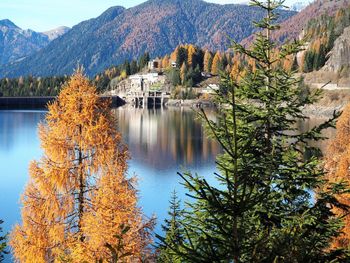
[[162, 142]]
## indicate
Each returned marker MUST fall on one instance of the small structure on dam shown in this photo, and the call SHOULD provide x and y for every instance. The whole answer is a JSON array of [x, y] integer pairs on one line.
[[143, 90], [148, 98]]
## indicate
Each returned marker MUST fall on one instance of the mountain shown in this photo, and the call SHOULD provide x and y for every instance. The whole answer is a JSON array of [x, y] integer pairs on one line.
[[298, 6], [293, 27], [156, 26], [57, 32], [16, 43]]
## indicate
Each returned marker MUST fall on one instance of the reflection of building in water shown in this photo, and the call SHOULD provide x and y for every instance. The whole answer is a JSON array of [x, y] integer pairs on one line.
[[164, 137], [142, 128]]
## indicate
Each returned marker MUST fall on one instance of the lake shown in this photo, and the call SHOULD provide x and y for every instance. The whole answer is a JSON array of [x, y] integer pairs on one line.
[[161, 142]]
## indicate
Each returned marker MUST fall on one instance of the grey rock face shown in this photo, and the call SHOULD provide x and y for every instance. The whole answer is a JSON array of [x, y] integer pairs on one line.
[[339, 57]]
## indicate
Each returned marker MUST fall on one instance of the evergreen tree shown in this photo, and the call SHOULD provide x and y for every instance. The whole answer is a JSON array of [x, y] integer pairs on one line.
[[174, 76], [263, 210], [181, 56], [127, 68], [144, 59], [2, 244], [199, 59], [183, 73], [174, 232], [196, 75], [322, 57], [133, 67], [223, 63], [309, 61]]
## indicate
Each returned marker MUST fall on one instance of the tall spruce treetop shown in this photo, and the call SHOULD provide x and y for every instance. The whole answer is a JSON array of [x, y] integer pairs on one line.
[[264, 209], [173, 230]]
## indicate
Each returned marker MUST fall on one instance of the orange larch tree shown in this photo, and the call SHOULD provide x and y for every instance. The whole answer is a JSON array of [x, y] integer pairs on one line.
[[78, 205], [215, 64], [173, 55], [191, 53], [208, 58], [165, 62], [337, 163]]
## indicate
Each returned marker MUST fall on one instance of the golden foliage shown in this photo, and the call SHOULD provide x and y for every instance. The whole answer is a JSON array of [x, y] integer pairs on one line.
[[123, 75], [215, 65], [207, 59], [337, 163], [165, 62], [173, 55], [191, 50], [78, 201]]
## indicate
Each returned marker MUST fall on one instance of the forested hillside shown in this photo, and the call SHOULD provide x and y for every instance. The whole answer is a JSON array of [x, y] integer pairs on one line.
[[321, 33], [156, 26], [291, 28]]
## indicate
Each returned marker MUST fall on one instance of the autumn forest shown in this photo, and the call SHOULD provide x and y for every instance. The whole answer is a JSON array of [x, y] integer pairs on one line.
[[269, 194]]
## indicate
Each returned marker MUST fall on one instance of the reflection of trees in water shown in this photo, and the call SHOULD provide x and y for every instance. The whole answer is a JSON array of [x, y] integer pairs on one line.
[[308, 124], [164, 137], [15, 125]]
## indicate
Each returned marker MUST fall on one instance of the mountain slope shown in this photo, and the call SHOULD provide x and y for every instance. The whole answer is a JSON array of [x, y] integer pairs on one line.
[[156, 26], [57, 32], [16, 43], [293, 27]]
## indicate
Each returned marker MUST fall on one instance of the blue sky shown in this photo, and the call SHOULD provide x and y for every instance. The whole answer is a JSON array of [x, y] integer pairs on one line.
[[42, 15]]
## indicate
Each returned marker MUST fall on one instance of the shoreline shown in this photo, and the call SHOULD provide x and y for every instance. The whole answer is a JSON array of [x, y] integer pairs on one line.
[[195, 103], [39, 103], [42, 102]]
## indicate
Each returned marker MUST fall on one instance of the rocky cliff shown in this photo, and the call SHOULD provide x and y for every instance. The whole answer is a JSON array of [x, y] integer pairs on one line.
[[339, 57]]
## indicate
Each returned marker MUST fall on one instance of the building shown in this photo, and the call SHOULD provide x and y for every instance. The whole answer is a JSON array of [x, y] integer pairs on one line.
[[173, 64], [211, 89], [141, 82], [154, 64]]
